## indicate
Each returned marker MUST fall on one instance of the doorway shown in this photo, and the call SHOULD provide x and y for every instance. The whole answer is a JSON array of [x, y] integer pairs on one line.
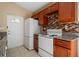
[[15, 31]]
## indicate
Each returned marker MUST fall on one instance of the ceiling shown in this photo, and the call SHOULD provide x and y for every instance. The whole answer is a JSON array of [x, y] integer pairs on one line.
[[32, 6]]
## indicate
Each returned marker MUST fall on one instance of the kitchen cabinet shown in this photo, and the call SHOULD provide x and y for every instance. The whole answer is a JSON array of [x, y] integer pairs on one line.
[[36, 42], [42, 19], [47, 10], [61, 52], [64, 48], [54, 7], [60, 42], [67, 12]]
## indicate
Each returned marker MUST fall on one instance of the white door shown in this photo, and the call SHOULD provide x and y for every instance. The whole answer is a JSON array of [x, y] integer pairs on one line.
[[15, 31]]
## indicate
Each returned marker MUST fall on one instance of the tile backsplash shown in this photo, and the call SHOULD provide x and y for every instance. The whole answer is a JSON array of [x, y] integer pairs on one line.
[[53, 23]]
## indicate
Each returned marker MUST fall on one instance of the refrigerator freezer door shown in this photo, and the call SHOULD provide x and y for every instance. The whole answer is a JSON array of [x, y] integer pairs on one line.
[[28, 42]]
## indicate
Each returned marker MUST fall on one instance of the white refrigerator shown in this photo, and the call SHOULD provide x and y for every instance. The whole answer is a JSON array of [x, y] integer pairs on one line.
[[31, 27]]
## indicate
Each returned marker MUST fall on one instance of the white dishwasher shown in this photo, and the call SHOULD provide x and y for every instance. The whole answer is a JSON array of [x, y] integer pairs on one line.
[[45, 46], [46, 42]]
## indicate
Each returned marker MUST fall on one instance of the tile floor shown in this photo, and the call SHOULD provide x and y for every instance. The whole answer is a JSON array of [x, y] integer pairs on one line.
[[21, 52]]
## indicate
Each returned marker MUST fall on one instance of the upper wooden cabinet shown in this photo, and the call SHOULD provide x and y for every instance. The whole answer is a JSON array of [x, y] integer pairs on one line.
[[67, 12], [47, 10], [42, 19], [61, 52], [54, 7]]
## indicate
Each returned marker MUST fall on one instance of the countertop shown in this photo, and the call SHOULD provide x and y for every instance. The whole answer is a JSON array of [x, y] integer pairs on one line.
[[65, 36], [68, 38]]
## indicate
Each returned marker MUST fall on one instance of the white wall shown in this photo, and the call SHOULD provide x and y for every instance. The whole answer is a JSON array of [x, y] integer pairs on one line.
[[8, 8]]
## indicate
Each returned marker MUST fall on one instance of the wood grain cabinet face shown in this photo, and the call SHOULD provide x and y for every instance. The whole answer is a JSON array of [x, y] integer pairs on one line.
[[62, 43], [54, 7], [42, 20], [67, 12], [36, 42], [61, 52], [47, 10], [64, 48]]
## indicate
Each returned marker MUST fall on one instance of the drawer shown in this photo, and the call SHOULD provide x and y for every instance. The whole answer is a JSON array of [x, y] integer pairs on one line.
[[62, 43], [64, 52]]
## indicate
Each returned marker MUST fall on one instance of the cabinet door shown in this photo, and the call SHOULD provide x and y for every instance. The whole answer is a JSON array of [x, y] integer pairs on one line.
[[47, 10], [36, 42], [42, 20], [61, 52], [54, 7], [66, 12], [62, 43]]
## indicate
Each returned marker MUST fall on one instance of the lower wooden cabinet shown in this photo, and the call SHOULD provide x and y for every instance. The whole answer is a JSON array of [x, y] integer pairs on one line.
[[65, 48], [61, 52], [36, 42]]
